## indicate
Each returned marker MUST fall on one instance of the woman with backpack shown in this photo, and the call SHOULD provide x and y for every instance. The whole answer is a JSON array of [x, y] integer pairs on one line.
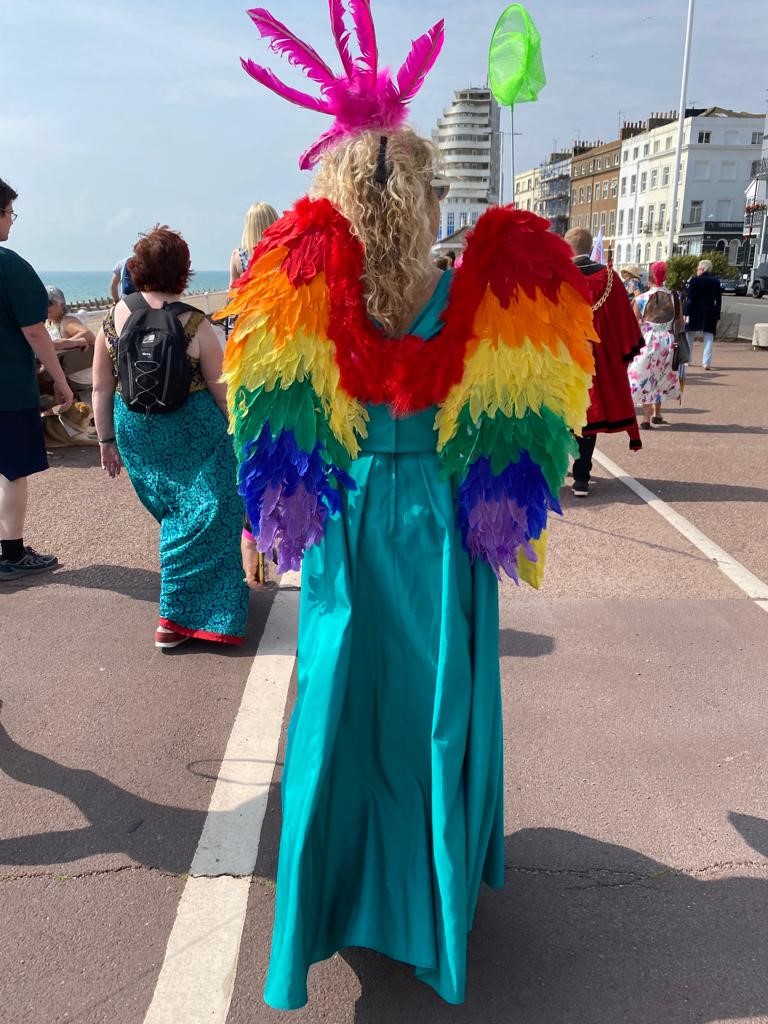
[[653, 377], [257, 220], [161, 413]]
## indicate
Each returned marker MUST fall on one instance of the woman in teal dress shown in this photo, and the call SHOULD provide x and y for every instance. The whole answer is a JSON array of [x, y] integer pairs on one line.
[[181, 464], [393, 783]]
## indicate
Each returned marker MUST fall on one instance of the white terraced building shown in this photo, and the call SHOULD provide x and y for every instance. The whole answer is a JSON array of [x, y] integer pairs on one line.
[[468, 138], [720, 148]]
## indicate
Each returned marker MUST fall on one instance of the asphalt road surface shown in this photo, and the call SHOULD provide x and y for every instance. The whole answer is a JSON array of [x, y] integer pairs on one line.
[[134, 783], [752, 311]]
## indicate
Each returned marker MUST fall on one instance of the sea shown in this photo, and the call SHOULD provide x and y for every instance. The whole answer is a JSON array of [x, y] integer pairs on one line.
[[82, 285]]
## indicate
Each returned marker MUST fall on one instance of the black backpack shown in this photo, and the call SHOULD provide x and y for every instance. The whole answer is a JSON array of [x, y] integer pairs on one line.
[[153, 370]]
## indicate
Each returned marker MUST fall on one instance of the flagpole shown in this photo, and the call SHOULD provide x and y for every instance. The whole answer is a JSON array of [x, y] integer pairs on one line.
[[680, 130], [512, 147]]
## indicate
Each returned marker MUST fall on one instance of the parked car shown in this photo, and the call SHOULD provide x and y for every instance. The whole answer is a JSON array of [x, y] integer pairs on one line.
[[729, 284], [759, 285], [742, 285]]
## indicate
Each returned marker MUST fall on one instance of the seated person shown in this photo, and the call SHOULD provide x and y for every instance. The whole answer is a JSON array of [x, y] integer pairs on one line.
[[73, 342]]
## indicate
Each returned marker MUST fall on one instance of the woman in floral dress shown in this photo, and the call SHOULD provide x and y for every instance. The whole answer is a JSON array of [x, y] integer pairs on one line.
[[651, 374]]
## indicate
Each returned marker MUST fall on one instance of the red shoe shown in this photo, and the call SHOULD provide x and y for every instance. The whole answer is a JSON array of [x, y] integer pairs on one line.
[[167, 638]]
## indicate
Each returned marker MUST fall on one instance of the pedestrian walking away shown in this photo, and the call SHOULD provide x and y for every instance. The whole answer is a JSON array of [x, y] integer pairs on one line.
[[403, 469], [703, 306], [652, 375], [23, 337], [611, 407], [179, 458]]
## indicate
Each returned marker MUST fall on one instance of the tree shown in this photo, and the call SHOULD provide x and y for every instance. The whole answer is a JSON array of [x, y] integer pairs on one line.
[[682, 268]]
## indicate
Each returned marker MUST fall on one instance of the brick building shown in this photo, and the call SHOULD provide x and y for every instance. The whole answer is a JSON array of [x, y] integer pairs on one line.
[[595, 170]]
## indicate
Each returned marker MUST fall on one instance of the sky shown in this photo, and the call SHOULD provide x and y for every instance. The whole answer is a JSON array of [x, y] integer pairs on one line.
[[116, 116]]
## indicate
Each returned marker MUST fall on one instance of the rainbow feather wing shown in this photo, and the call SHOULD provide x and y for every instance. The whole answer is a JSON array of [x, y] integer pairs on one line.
[[506, 429], [295, 427]]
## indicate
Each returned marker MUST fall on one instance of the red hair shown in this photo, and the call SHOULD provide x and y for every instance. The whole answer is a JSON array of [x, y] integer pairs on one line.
[[658, 273], [160, 262]]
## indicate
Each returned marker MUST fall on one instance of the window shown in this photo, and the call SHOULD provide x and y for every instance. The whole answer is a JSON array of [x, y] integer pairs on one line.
[[728, 170], [602, 221], [640, 213], [621, 222], [450, 221], [646, 149], [632, 184], [630, 221], [638, 253], [605, 189], [612, 223], [757, 138], [658, 251], [598, 164], [647, 252], [696, 206], [591, 166], [625, 155], [573, 198], [624, 186], [668, 142], [594, 223], [733, 252], [643, 181], [651, 212], [581, 194], [704, 138], [662, 214], [616, 160], [656, 145], [589, 193], [654, 179], [618, 254], [635, 151], [529, 184], [463, 219], [665, 176], [614, 187], [473, 218]]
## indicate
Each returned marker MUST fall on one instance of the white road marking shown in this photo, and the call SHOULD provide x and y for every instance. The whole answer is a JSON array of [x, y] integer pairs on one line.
[[198, 974], [750, 584]]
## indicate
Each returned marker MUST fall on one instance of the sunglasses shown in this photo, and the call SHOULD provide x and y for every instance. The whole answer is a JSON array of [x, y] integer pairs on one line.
[[441, 188]]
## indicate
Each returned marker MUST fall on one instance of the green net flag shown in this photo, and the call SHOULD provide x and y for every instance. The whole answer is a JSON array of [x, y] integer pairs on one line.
[[515, 68]]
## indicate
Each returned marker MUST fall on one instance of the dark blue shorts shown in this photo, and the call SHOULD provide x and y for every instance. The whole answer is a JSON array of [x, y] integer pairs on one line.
[[22, 444]]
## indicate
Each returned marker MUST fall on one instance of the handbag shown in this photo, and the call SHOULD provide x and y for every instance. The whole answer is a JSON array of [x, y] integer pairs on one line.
[[682, 353]]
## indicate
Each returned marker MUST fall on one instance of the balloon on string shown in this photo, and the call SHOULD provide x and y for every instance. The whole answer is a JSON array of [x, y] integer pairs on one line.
[[515, 65]]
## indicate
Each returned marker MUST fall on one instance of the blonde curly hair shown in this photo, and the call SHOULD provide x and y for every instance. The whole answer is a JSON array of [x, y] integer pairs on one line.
[[391, 220]]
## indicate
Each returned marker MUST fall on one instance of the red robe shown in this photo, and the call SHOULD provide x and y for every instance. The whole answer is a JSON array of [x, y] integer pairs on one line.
[[612, 408]]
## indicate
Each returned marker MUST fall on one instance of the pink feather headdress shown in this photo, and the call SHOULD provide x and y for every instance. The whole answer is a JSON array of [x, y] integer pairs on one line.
[[364, 97]]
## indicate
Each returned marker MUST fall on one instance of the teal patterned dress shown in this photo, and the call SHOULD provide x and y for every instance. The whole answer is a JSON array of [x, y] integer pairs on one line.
[[183, 469], [392, 789]]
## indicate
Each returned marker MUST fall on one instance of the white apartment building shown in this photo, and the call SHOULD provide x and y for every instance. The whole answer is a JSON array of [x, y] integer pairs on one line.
[[719, 149], [527, 190], [468, 138], [756, 208]]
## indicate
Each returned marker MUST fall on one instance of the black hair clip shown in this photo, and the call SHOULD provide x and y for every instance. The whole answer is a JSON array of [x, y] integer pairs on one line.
[[381, 164]]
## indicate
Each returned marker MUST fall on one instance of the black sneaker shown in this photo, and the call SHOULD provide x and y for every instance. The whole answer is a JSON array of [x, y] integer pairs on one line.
[[580, 488], [30, 563]]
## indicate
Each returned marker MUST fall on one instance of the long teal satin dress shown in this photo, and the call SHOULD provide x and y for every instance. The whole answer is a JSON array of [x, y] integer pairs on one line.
[[392, 788]]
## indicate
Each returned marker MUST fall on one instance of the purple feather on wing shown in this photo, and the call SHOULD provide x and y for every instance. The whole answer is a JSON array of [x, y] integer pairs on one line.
[[416, 66], [288, 44]]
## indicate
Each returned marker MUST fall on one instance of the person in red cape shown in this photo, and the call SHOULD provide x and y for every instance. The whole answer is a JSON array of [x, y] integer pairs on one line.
[[612, 408]]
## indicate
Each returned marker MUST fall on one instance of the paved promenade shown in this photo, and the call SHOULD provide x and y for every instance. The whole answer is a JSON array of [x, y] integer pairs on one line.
[[634, 688]]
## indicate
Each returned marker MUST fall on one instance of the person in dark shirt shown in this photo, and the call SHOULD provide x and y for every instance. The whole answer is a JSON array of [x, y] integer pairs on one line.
[[23, 310], [702, 309]]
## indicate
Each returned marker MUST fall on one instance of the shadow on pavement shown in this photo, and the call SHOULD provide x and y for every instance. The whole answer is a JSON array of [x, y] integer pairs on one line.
[[72, 457], [690, 490], [140, 584], [586, 932], [515, 644], [716, 428]]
